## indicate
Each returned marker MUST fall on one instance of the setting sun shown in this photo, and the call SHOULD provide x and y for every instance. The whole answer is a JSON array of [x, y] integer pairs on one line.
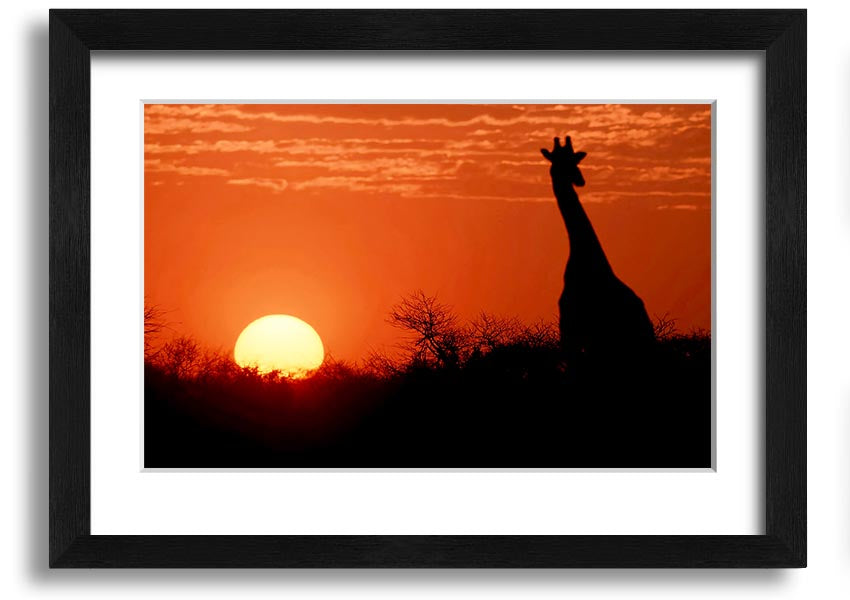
[[280, 343]]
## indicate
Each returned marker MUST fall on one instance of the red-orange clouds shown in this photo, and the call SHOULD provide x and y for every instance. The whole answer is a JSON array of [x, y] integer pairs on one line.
[[332, 212]]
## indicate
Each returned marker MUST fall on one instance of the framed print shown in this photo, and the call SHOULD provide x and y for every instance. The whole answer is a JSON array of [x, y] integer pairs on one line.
[[334, 225], [517, 309]]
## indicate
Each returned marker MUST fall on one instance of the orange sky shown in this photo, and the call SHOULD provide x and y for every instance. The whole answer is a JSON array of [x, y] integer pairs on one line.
[[332, 212]]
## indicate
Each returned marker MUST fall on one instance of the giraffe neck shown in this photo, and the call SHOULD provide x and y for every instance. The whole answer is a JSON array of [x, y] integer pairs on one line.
[[584, 245]]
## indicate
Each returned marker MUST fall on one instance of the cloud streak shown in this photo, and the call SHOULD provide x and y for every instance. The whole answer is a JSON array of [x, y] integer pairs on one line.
[[275, 185], [424, 151], [158, 166]]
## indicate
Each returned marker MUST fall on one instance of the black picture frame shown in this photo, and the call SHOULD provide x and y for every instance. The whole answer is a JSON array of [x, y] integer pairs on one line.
[[780, 34]]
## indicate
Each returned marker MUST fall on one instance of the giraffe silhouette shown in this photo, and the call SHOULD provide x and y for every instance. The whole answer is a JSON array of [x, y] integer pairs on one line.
[[603, 323]]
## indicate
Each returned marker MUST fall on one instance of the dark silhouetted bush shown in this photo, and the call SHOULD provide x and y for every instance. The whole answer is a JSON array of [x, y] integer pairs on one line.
[[494, 392]]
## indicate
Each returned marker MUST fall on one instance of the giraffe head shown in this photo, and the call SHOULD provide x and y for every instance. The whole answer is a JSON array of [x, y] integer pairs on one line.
[[565, 162]]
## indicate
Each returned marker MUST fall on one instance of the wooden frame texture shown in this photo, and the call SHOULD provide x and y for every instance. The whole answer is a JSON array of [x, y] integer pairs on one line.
[[781, 34]]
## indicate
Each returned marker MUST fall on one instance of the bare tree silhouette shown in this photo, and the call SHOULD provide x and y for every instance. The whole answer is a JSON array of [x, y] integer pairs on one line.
[[181, 357], [490, 332], [154, 324], [434, 337], [664, 326]]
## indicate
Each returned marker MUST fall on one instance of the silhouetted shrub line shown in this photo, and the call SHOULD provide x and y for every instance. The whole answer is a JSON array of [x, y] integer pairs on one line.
[[492, 392]]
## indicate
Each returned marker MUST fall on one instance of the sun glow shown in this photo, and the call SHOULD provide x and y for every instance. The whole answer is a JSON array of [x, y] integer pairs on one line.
[[280, 343]]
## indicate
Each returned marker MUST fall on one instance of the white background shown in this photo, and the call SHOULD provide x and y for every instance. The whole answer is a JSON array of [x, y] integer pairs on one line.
[[127, 501], [24, 251]]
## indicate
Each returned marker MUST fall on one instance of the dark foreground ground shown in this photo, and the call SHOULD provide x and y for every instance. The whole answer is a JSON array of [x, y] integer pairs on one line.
[[515, 405]]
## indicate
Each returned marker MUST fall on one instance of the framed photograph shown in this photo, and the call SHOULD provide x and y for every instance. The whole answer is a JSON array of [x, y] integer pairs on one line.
[[408, 305]]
